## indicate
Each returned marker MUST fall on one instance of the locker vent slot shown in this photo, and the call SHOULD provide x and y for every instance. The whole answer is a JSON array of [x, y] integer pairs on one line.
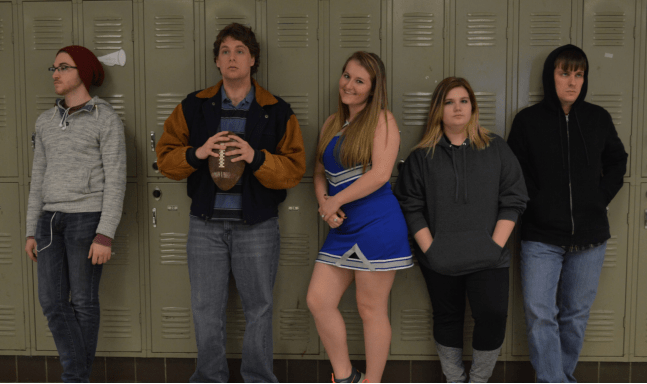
[[601, 326], [48, 33], [354, 327], [612, 102], [118, 103], [415, 108], [7, 320], [176, 323], [108, 33], [481, 29], [295, 324], [533, 98], [235, 323], [295, 249], [611, 254], [487, 109], [43, 103], [1, 35], [293, 31], [545, 29], [3, 112], [173, 248], [418, 29], [166, 103], [223, 20], [6, 255], [609, 29], [120, 246], [355, 31], [416, 325], [300, 103], [170, 32], [116, 322]]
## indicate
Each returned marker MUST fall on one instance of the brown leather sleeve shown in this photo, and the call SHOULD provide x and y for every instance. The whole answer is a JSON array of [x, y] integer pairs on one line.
[[172, 146], [285, 168]]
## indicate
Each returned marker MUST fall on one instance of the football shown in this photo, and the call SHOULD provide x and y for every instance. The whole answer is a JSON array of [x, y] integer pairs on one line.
[[223, 172]]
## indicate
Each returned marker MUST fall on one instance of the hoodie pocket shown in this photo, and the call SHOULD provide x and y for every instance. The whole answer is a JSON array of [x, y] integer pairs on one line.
[[62, 184], [455, 253]]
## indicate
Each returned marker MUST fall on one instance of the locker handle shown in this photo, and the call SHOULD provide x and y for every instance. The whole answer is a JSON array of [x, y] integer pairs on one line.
[[645, 218], [152, 141], [154, 217], [33, 141]]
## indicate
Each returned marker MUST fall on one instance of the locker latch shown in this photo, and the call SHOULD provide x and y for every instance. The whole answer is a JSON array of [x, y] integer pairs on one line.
[[33, 141], [152, 141], [154, 217], [645, 218]]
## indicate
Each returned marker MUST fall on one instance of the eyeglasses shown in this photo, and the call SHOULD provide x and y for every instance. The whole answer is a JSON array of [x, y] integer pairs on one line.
[[61, 68]]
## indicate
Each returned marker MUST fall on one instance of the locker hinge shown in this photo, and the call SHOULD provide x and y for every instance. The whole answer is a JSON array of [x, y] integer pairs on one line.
[[318, 33], [132, 34], [381, 34], [507, 33]]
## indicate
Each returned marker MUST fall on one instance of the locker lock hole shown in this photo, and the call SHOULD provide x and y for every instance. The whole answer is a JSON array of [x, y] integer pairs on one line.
[[157, 193]]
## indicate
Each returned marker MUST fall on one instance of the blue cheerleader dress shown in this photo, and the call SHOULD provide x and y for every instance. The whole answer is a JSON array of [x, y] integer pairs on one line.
[[373, 237]]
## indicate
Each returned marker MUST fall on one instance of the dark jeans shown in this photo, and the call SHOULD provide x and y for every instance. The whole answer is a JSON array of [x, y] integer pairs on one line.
[[68, 288], [487, 292], [251, 253]]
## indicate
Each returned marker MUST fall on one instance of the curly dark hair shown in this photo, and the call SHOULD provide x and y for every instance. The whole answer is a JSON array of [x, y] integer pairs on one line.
[[246, 36]]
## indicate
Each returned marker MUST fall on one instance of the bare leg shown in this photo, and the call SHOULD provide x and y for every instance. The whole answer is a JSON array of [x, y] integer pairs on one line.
[[373, 290], [327, 285]]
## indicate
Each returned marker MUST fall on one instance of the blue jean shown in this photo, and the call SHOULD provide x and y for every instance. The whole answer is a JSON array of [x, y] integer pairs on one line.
[[68, 288], [251, 253], [559, 288]]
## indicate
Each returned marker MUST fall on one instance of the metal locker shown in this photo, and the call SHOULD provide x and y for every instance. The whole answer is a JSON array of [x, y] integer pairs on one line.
[[47, 27], [481, 57], [543, 26], [219, 14], [8, 118], [170, 69], [119, 290], [170, 292], [641, 302], [293, 64], [417, 33], [604, 334], [108, 28], [354, 26], [12, 308], [294, 327], [609, 45]]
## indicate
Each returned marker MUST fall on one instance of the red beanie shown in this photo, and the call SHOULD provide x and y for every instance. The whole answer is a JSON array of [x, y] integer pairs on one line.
[[89, 67]]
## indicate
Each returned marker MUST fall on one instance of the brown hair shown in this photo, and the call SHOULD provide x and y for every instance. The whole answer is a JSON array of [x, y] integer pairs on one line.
[[246, 36], [357, 141], [479, 136], [571, 60]]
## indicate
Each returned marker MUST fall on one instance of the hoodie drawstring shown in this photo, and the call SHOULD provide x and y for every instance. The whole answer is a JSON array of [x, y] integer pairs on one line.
[[455, 174], [64, 119], [586, 150], [561, 138], [464, 150]]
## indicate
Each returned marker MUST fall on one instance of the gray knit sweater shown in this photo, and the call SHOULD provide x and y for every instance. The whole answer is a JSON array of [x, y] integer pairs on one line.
[[79, 165]]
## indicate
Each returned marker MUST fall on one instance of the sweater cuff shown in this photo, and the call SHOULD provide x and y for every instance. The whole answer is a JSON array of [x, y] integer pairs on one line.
[[31, 237], [102, 240], [508, 214], [192, 159], [416, 223], [259, 159]]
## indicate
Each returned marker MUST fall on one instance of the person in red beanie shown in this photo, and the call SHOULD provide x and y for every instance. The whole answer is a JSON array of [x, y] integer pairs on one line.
[[75, 204]]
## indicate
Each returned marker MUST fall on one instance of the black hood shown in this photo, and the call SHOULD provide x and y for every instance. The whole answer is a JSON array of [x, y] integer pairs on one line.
[[548, 78]]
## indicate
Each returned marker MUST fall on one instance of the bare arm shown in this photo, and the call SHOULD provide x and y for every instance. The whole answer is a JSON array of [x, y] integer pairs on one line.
[[502, 232]]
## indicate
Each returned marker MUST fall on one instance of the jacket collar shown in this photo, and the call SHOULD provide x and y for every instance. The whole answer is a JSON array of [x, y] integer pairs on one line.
[[263, 97]]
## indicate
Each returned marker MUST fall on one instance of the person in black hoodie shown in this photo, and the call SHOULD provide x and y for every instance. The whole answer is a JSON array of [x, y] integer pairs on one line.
[[573, 163], [461, 191]]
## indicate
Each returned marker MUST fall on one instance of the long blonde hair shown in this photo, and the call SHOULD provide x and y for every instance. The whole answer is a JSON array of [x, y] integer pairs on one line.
[[479, 137], [357, 143]]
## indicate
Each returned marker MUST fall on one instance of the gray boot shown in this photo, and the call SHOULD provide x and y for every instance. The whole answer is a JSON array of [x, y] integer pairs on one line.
[[451, 361], [483, 363]]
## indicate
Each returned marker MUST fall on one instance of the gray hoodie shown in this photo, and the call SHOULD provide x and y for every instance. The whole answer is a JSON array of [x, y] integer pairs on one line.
[[79, 164]]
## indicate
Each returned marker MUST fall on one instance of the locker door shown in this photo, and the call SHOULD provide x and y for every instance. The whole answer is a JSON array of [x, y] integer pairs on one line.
[[609, 45], [543, 26], [294, 327], [168, 226], [108, 27], [293, 64], [604, 334], [641, 307], [417, 33], [219, 14], [8, 122], [170, 70], [354, 26], [12, 310], [47, 27], [481, 56], [121, 328]]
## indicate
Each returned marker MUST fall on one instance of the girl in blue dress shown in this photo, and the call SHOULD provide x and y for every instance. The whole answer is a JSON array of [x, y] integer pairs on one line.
[[368, 240]]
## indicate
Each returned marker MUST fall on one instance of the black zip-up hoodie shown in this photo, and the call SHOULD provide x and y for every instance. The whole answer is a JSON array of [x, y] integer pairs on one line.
[[460, 193], [573, 165]]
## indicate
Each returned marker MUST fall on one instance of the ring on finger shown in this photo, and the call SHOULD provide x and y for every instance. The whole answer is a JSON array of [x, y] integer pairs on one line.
[[335, 219], [322, 216]]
